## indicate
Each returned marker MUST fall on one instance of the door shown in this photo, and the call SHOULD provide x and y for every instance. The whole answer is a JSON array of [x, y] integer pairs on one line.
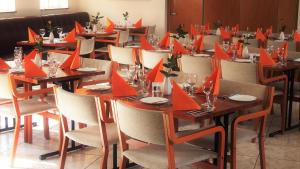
[[185, 12]]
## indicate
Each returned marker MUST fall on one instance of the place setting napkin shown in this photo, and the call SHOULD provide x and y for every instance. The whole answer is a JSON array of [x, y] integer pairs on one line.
[[165, 42], [3, 64], [32, 70], [215, 79], [110, 26], [265, 59], [78, 28], [138, 24], [155, 75], [120, 88], [179, 49], [220, 53], [145, 44], [31, 35], [71, 36], [73, 61]]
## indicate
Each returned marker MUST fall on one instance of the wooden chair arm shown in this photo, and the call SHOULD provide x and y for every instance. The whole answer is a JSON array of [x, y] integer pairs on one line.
[[61, 51], [32, 93], [106, 40], [275, 79]]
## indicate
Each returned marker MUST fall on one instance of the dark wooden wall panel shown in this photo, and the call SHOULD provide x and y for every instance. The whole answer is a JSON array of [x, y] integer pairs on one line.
[[288, 14]]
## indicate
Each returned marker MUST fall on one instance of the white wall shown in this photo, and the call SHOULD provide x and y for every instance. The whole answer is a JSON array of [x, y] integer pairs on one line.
[[32, 8], [153, 12]]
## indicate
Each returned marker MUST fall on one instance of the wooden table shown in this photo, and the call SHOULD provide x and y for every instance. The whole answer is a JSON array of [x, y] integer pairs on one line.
[[47, 43], [224, 108], [97, 34]]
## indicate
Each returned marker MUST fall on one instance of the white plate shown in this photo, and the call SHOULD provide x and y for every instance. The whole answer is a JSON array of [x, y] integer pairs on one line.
[[202, 55], [154, 100], [86, 69], [133, 46], [14, 70], [242, 98], [243, 60], [210, 50], [297, 60], [162, 50], [101, 87]]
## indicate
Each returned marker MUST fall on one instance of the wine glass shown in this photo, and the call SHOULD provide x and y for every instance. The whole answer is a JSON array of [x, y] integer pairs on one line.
[[207, 88], [42, 32], [131, 73], [87, 26], [192, 80], [18, 54], [225, 46], [59, 32]]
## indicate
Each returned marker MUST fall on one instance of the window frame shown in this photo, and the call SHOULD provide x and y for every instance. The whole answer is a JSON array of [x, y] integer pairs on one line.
[[57, 8], [10, 11]]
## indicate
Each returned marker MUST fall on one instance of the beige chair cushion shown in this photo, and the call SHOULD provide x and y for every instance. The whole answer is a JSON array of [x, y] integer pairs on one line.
[[91, 135], [27, 107], [243, 135], [154, 156]]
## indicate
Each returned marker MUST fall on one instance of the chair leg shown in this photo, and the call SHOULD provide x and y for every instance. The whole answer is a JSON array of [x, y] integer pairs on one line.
[[233, 156], [61, 136], [15, 143], [262, 152], [46, 127], [63, 153], [123, 162], [103, 163], [29, 129], [25, 129], [299, 116]]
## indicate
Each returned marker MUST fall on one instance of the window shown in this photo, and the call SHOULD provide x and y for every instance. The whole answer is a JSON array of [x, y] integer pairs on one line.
[[7, 5], [54, 4]]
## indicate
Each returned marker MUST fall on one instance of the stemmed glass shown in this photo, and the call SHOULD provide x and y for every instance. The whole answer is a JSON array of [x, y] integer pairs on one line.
[[87, 26], [131, 73], [207, 88], [42, 32], [142, 81], [225, 45], [60, 32], [18, 54], [280, 53], [192, 80]]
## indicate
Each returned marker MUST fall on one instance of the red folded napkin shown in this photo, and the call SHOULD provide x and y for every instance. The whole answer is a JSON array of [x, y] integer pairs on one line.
[[260, 36], [198, 45], [296, 37], [71, 37], [3, 64], [110, 27], [215, 79], [155, 75], [225, 35], [32, 70], [79, 29], [178, 48], [181, 101], [265, 59], [120, 88], [165, 42], [109, 22], [193, 32], [220, 53], [239, 49], [236, 28], [32, 54], [145, 44], [73, 61], [138, 24], [31, 35], [269, 31], [207, 28]]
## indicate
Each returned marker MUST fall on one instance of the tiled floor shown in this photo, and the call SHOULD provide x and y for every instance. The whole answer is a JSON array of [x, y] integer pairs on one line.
[[282, 152]]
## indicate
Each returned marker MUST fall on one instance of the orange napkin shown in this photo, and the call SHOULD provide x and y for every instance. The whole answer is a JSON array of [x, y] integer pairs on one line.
[[239, 49], [138, 24], [297, 37], [193, 32], [198, 45], [32, 70], [235, 28], [155, 75], [145, 44], [31, 35], [260, 36], [165, 42], [71, 37], [182, 101], [31, 55], [269, 31], [120, 88], [110, 26], [3, 64], [286, 48], [109, 22], [207, 28], [215, 79], [178, 48], [73, 61], [79, 29], [225, 34], [220, 53], [265, 59]]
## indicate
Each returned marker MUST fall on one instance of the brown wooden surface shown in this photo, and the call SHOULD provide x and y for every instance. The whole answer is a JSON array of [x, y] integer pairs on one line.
[[62, 75], [97, 34], [223, 106], [56, 44], [187, 12]]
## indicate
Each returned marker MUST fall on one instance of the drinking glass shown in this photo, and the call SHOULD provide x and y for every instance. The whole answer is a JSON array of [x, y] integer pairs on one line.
[[18, 56], [87, 26], [60, 32], [53, 66], [207, 88], [131, 73], [42, 32], [192, 80], [157, 89], [225, 46], [280, 53]]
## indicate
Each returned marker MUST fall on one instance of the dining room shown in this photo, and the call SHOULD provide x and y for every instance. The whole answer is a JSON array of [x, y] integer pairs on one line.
[[149, 84]]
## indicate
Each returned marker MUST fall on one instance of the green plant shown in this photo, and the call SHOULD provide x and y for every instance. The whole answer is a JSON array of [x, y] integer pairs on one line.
[[180, 33], [96, 19], [126, 16], [170, 66], [39, 47]]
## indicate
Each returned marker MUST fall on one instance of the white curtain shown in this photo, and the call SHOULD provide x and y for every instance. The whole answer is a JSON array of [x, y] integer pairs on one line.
[[7, 5], [53, 4]]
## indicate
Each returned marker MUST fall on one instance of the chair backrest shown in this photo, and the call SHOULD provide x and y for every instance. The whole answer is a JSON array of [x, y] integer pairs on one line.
[[103, 65], [150, 58], [124, 37], [253, 49], [239, 72], [5, 88], [199, 65], [76, 107], [121, 55], [59, 57], [253, 42], [87, 46], [275, 44], [210, 40], [139, 124], [291, 46]]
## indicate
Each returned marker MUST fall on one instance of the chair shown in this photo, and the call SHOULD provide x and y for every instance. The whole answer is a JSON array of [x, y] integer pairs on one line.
[[87, 47], [139, 32], [164, 149], [151, 30], [210, 40], [88, 110], [201, 66], [239, 133], [125, 56], [21, 104], [150, 58], [275, 44]]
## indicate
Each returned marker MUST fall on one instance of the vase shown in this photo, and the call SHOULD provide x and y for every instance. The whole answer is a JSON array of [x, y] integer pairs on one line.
[[245, 53], [218, 32], [167, 86], [281, 36], [51, 37], [95, 28]]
